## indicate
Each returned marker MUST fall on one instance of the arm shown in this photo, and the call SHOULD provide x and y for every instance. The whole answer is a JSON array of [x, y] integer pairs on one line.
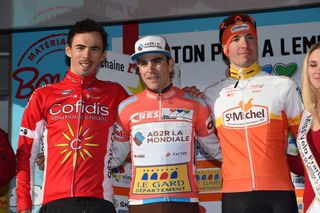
[[295, 164], [206, 132], [293, 107], [7, 159], [120, 138], [120, 147], [32, 127], [194, 92]]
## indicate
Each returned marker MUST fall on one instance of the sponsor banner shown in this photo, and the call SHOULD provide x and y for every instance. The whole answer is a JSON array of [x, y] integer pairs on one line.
[[160, 142], [121, 204], [298, 181], [209, 180], [209, 207], [300, 204], [161, 180]]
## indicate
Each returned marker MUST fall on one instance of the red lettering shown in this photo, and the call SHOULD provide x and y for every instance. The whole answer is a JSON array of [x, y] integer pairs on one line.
[[26, 87], [24, 90], [47, 79]]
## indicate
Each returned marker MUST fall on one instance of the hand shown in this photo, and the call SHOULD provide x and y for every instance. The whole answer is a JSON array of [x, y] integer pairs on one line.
[[194, 92], [40, 160]]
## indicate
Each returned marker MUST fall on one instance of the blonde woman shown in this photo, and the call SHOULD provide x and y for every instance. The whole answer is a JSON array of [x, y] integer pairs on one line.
[[308, 139]]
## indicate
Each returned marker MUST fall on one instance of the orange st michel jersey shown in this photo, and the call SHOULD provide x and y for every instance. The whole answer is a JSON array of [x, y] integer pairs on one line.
[[253, 118]]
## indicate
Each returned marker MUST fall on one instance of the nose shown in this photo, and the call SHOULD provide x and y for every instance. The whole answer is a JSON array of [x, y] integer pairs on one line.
[[243, 42], [150, 66], [86, 53]]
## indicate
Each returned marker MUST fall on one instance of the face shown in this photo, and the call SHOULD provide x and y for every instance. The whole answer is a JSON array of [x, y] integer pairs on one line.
[[155, 70], [86, 53], [314, 68], [243, 50]]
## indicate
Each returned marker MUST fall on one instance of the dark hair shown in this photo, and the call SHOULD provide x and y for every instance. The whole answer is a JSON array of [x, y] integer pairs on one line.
[[85, 26]]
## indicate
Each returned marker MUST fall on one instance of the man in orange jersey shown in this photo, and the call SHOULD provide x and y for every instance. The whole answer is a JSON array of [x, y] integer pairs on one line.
[[158, 127], [253, 112]]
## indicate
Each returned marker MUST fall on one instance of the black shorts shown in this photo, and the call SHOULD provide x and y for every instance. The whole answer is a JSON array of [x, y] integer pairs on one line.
[[78, 205], [165, 207], [260, 202]]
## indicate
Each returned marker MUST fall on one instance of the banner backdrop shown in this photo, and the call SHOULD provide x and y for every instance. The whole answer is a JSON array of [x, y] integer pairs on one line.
[[38, 58]]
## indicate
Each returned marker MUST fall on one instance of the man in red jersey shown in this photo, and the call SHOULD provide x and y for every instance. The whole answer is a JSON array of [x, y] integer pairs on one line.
[[75, 117]]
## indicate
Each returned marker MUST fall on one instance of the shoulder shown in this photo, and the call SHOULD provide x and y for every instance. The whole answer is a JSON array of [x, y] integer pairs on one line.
[[218, 85], [45, 90], [128, 102], [212, 91], [194, 100]]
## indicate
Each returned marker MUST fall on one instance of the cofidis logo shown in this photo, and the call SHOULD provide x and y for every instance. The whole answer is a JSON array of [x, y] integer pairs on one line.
[[246, 114]]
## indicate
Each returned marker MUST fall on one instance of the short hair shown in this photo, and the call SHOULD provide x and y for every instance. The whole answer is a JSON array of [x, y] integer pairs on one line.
[[309, 92], [86, 26]]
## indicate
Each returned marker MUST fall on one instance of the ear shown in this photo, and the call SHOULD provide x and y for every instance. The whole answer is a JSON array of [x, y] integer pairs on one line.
[[171, 65], [104, 55], [68, 50], [225, 50]]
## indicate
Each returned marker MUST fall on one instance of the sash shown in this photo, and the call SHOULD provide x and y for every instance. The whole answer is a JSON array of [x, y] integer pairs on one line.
[[311, 166]]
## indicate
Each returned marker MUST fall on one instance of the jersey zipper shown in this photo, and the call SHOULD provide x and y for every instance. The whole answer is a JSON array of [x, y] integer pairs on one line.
[[246, 131], [75, 155], [160, 106]]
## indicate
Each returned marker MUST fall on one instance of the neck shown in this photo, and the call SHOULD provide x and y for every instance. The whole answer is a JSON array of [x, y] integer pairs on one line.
[[244, 73], [165, 89]]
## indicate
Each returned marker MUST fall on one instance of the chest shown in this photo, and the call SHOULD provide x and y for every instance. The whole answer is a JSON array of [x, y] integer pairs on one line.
[[256, 98]]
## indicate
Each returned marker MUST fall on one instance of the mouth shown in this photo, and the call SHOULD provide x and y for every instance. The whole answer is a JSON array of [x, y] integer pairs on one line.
[[86, 64], [153, 77]]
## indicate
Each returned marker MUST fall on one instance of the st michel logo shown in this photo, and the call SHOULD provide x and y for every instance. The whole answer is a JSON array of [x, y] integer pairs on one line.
[[245, 114], [35, 57]]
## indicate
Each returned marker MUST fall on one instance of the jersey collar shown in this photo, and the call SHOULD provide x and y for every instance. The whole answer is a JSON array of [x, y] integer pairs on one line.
[[75, 79], [166, 93], [245, 73]]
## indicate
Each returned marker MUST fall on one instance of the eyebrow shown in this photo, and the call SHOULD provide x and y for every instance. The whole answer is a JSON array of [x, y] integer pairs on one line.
[[94, 47], [152, 60]]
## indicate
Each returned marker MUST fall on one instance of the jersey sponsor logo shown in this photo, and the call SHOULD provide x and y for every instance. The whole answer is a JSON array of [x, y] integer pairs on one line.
[[240, 27], [79, 107], [256, 87], [139, 116], [246, 114], [138, 138], [73, 145], [118, 132], [161, 136], [26, 132], [177, 114], [210, 124], [66, 92], [161, 180]]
